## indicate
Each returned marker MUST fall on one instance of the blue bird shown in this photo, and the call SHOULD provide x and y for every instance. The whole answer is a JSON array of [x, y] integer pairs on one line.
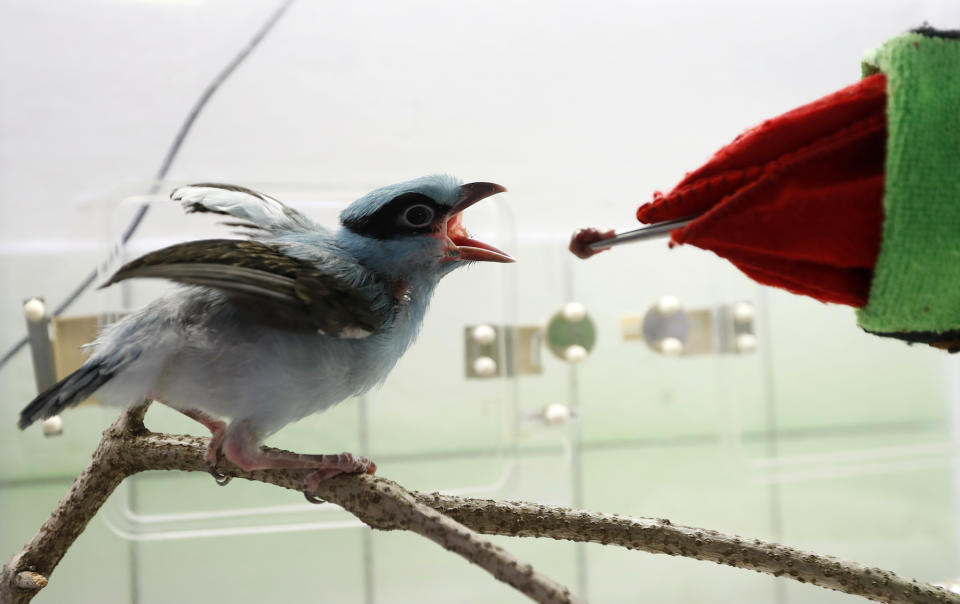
[[295, 318]]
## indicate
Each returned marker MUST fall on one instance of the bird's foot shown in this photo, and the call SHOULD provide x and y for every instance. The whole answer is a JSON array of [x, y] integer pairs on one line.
[[333, 465], [212, 457], [218, 431], [242, 448]]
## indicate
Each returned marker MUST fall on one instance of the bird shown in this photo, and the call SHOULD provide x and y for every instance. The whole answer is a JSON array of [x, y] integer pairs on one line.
[[285, 322]]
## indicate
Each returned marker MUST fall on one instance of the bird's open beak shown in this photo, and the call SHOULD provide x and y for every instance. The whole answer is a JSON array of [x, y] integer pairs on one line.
[[458, 244]]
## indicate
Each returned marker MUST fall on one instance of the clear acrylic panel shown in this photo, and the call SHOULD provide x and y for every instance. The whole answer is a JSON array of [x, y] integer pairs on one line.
[[816, 413]]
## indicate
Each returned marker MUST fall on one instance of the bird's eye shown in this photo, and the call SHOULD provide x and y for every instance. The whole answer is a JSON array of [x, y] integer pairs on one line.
[[417, 216]]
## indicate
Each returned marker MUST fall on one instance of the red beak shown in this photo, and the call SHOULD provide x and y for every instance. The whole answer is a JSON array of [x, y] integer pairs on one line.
[[459, 245]]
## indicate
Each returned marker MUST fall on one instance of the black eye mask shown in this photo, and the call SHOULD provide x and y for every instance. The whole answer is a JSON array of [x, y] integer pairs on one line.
[[393, 218]]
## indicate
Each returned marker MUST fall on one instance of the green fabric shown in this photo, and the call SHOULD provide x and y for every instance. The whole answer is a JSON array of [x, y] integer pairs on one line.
[[916, 283]]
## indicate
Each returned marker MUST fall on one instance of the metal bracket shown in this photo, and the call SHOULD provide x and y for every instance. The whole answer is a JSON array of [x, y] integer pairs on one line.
[[41, 353], [56, 359], [669, 329], [571, 334], [492, 350]]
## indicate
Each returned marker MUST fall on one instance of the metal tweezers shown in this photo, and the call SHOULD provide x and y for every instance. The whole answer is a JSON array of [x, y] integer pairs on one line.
[[652, 231]]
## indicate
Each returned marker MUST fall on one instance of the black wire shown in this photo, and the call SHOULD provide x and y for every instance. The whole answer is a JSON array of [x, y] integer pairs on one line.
[[171, 155]]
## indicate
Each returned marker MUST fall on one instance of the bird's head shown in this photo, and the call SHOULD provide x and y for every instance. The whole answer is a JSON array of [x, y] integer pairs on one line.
[[417, 226]]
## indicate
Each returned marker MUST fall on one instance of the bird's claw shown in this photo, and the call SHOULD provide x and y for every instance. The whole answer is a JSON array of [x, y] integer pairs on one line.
[[221, 478], [313, 480], [212, 457], [312, 498]]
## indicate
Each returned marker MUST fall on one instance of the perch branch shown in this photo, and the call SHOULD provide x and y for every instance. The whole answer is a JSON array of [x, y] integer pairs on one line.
[[29, 570], [128, 448], [660, 536], [453, 522]]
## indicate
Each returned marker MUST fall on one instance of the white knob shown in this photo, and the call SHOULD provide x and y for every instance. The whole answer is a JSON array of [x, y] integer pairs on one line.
[[746, 342], [555, 413], [483, 334], [671, 346], [668, 305], [35, 310], [52, 426], [743, 312], [575, 353], [484, 366], [574, 312]]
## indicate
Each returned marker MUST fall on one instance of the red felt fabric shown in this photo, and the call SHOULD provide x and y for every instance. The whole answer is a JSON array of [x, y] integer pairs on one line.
[[797, 201]]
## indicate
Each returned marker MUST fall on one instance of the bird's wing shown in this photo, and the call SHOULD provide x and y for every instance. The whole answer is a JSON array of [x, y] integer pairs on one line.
[[281, 290], [258, 210]]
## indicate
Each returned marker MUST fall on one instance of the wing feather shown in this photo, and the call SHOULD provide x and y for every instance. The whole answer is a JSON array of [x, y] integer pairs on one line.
[[260, 210], [282, 290]]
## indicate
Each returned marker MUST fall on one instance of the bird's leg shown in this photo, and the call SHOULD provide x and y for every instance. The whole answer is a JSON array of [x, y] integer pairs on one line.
[[242, 447], [218, 431]]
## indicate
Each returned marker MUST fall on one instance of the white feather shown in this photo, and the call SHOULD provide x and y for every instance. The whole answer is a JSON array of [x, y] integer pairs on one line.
[[262, 210]]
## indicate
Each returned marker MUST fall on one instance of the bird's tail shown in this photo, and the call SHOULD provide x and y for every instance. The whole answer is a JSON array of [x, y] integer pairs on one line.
[[68, 392]]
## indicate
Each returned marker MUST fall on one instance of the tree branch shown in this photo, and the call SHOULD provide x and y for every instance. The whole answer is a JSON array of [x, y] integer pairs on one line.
[[660, 536], [29, 569], [452, 522], [128, 448]]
